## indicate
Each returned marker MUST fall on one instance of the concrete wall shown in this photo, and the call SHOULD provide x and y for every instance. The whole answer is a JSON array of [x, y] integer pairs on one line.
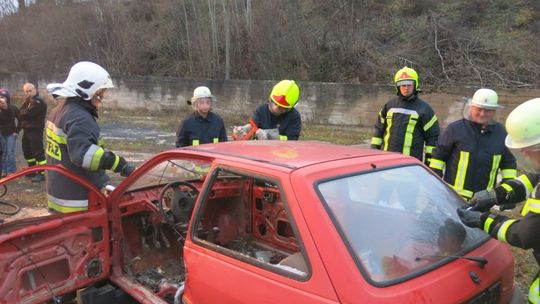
[[320, 103]]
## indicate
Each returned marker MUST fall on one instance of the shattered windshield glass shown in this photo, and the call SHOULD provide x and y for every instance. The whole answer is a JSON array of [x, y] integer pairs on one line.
[[173, 170], [399, 221]]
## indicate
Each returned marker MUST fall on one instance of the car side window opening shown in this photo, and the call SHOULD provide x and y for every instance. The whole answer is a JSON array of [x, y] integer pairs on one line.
[[247, 218]]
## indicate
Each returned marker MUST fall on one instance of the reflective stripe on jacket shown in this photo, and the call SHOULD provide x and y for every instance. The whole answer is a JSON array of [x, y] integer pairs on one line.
[[523, 232], [404, 126], [73, 140], [471, 157], [196, 130]]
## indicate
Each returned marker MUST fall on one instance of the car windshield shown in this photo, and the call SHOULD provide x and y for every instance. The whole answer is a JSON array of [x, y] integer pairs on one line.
[[173, 170], [398, 222]]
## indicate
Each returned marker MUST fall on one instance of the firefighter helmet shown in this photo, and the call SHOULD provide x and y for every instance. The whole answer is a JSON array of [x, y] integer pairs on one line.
[[84, 80], [523, 139], [202, 92], [285, 94], [486, 99], [406, 74]]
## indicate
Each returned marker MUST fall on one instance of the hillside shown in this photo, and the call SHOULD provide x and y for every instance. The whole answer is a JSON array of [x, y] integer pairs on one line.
[[450, 42]]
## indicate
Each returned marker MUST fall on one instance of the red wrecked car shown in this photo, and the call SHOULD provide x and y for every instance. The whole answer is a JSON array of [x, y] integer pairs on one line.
[[259, 222]]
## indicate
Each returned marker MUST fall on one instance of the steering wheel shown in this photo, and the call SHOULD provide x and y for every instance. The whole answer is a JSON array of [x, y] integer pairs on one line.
[[177, 205]]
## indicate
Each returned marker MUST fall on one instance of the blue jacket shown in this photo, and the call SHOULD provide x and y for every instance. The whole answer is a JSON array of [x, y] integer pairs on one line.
[[404, 125], [471, 156], [196, 130], [289, 124]]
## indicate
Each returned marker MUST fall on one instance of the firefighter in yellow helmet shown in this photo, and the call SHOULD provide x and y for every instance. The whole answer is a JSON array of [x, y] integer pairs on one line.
[[277, 119], [523, 140], [406, 124]]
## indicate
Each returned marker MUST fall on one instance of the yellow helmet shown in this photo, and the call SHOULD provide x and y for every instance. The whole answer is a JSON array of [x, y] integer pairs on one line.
[[285, 94], [406, 74]]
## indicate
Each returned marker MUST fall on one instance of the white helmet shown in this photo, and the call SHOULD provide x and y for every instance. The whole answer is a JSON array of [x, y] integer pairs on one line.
[[84, 79], [523, 139], [201, 92], [486, 99]]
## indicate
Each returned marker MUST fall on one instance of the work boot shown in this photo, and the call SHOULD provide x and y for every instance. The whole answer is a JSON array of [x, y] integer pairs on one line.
[[39, 177]]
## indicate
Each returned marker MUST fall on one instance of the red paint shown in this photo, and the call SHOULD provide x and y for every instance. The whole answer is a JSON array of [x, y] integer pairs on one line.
[[110, 232]]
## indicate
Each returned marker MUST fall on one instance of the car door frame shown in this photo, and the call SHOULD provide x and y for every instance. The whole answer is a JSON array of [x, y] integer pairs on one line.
[[202, 263], [55, 254]]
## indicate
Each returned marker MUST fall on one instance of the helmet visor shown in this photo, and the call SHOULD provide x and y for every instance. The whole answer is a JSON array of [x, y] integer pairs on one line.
[[528, 158]]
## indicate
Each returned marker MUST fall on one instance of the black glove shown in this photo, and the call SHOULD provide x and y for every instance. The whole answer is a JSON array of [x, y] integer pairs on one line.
[[376, 147], [438, 172], [127, 169], [483, 200], [470, 218], [109, 160]]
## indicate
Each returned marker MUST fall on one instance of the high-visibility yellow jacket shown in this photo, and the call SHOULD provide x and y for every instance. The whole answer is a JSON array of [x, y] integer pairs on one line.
[[522, 232], [471, 156], [405, 125]]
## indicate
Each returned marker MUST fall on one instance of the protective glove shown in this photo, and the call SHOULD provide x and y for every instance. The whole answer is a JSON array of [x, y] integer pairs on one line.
[[376, 147], [470, 218], [241, 131], [109, 160], [272, 133], [438, 172], [127, 169], [483, 200], [427, 159], [261, 134]]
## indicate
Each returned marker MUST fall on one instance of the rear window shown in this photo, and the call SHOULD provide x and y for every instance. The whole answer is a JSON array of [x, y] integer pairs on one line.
[[398, 222]]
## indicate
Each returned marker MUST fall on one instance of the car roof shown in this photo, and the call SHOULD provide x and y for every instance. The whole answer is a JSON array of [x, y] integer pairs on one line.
[[289, 154]]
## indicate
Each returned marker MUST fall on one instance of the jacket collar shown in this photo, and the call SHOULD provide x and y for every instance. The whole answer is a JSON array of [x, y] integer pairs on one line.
[[85, 104]]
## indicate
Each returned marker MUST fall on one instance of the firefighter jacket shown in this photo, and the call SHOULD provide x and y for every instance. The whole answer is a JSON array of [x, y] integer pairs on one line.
[[196, 130], [404, 125], [289, 124], [471, 156], [522, 232], [73, 140], [32, 113], [8, 118]]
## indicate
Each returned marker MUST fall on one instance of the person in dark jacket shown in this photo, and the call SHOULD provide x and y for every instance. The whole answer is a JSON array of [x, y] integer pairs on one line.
[[470, 152], [203, 126], [406, 124], [8, 130], [277, 119], [32, 121], [74, 139], [523, 141]]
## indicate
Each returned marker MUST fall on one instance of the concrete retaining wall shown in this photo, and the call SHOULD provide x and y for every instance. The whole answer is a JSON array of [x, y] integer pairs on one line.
[[320, 103]]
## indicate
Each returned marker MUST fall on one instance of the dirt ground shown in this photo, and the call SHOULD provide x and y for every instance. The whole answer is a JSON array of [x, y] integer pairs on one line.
[[138, 136]]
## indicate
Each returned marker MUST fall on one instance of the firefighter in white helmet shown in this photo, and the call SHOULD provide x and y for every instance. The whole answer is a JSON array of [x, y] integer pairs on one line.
[[523, 140], [203, 126], [74, 139], [470, 152]]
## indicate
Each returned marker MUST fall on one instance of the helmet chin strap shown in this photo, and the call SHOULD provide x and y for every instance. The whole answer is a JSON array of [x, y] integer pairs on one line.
[[81, 94]]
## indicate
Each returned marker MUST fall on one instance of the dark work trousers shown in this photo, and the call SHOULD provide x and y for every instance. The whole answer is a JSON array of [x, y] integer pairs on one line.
[[32, 146]]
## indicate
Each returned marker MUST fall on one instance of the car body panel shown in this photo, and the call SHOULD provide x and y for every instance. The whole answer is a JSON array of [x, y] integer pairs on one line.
[[48, 256], [215, 274]]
